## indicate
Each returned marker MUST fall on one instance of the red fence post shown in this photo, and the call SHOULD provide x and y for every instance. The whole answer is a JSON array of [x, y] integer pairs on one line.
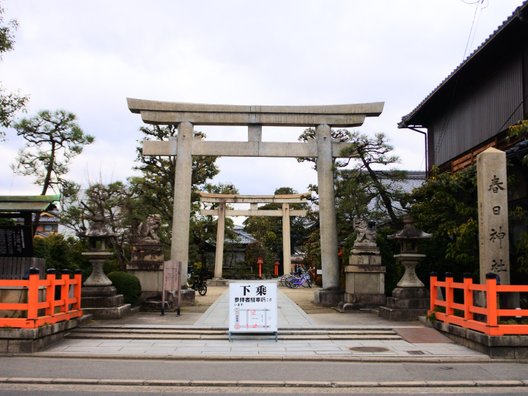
[[432, 291], [33, 291], [51, 278], [65, 289], [449, 293], [491, 299], [77, 289], [468, 296]]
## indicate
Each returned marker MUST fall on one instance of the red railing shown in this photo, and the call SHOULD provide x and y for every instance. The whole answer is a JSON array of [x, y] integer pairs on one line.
[[488, 317], [48, 301]]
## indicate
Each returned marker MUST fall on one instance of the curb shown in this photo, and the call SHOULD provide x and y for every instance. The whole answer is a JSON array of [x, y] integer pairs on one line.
[[267, 384], [278, 358]]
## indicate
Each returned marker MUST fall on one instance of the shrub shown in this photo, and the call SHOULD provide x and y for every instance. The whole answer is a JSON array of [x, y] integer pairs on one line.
[[126, 284]]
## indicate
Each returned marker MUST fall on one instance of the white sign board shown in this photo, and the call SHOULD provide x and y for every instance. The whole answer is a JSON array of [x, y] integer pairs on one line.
[[171, 284], [171, 275], [253, 307]]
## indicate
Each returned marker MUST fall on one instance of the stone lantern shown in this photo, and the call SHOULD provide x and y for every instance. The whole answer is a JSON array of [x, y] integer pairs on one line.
[[99, 297], [409, 299], [409, 257], [98, 252]]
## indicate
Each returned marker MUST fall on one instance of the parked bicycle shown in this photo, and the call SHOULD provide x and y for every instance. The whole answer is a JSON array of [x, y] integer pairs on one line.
[[197, 283], [296, 281], [285, 278]]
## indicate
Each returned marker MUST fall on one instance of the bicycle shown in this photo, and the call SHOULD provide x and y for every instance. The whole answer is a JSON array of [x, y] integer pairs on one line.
[[303, 280], [197, 283], [285, 278]]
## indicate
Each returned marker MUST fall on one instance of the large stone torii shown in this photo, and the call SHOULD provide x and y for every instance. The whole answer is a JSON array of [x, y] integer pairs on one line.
[[222, 211], [186, 115]]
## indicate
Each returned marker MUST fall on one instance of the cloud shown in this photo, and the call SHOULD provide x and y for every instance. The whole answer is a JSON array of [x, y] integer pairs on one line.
[[88, 56]]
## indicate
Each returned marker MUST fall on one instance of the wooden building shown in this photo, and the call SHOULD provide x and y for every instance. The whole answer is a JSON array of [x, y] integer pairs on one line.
[[475, 105], [48, 224], [16, 233]]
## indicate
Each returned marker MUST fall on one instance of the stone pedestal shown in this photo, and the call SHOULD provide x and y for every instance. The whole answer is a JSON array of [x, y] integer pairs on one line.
[[98, 297], [406, 303], [410, 299], [147, 265], [364, 280], [217, 282], [103, 302], [187, 296], [328, 297]]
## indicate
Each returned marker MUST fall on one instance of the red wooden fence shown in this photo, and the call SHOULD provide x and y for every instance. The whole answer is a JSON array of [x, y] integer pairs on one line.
[[488, 318], [61, 300]]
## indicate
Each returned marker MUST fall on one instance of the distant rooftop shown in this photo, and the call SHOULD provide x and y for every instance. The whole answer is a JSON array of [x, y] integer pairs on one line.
[[242, 237], [27, 203]]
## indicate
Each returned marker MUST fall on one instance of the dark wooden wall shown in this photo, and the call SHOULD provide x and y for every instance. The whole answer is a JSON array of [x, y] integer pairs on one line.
[[481, 106]]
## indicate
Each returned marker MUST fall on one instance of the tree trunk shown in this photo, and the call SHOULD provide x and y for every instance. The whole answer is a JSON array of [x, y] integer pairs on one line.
[[385, 198]]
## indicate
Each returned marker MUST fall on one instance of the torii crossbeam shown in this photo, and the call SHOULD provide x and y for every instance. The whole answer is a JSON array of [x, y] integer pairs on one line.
[[185, 115]]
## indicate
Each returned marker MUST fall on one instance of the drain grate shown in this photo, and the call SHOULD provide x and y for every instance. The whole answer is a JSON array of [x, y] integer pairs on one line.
[[368, 349], [416, 352]]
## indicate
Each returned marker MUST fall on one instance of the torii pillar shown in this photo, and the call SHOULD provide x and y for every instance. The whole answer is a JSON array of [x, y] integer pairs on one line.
[[220, 237], [286, 241], [327, 216], [185, 115], [181, 212]]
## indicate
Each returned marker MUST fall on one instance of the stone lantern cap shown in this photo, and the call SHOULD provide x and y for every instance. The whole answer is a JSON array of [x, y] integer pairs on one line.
[[409, 231], [409, 236], [99, 228], [99, 233]]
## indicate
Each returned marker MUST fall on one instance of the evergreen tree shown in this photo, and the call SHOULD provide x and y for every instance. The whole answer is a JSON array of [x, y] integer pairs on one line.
[[53, 139], [153, 191], [10, 103], [364, 188], [446, 206], [114, 203]]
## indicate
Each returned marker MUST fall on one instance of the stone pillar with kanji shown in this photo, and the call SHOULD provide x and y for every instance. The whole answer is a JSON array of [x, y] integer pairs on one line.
[[494, 248]]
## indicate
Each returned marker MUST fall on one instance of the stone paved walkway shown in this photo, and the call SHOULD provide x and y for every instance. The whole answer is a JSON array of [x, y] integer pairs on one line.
[[409, 341]]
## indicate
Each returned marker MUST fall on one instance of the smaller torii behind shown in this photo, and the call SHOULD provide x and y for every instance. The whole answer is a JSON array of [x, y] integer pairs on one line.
[[253, 200]]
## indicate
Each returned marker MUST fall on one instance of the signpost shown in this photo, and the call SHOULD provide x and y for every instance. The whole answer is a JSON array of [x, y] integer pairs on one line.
[[171, 284], [494, 248], [253, 308]]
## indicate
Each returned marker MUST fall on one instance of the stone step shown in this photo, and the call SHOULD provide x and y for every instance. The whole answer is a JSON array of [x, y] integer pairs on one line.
[[108, 332], [176, 329], [117, 336]]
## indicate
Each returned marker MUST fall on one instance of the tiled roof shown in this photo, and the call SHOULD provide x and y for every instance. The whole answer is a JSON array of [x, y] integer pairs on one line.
[[243, 238]]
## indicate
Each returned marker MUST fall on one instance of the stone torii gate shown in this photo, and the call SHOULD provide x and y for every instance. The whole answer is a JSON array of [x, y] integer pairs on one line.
[[253, 200], [186, 115]]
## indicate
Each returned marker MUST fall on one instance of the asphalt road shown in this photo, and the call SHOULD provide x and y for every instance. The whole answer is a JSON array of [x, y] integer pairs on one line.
[[64, 376], [196, 370]]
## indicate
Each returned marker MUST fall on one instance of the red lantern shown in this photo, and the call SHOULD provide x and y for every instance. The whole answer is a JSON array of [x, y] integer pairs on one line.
[[259, 263]]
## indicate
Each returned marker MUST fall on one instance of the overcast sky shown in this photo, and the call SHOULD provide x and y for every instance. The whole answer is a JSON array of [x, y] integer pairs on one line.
[[87, 57]]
